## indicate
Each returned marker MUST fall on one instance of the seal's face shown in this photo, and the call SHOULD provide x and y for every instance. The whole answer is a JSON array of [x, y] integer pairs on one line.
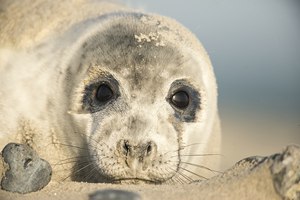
[[144, 97]]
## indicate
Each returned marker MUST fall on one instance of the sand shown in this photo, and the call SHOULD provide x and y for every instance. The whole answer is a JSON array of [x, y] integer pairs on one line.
[[272, 177]]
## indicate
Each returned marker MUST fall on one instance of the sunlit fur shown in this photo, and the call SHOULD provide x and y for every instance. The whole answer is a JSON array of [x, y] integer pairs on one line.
[[52, 55]]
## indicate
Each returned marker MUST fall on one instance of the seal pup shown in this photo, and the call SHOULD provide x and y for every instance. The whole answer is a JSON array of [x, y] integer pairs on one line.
[[107, 94]]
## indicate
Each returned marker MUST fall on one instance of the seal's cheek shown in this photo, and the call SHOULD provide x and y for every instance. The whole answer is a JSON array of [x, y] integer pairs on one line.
[[82, 123]]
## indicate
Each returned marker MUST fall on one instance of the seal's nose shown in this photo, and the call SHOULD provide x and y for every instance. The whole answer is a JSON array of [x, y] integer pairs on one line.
[[138, 156]]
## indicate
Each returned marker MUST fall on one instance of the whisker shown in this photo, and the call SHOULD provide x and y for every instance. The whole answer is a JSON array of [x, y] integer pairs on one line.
[[178, 179], [74, 161], [200, 155], [76, 157], [189, 145], [181, 148], [186, 177], [189, 179], [95, 145], [64, 163], [97, 142], [178, 173], [193, 173], [172, 151], [73, 146], [82, 168], [90, 174], [202, 167], [171, 179]]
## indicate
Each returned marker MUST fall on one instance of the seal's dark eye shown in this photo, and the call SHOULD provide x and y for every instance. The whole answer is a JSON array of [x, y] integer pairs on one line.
[[104, 93], [180, 99]]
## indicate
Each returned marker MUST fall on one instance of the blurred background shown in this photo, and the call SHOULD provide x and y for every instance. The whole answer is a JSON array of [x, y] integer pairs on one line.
[[255, 49]]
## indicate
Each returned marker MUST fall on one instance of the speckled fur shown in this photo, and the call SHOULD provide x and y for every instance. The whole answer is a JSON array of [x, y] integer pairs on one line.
[[51, 63]]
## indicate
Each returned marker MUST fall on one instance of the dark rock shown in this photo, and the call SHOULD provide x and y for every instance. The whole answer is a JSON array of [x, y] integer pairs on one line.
[[26, 172], [114, 195], [286, 172]]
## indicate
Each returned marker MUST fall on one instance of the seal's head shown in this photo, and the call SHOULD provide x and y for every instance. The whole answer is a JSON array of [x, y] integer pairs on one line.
[[146, 93]]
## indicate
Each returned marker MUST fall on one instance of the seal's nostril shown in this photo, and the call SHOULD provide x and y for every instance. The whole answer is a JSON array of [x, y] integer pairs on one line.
[[125, 147], [149, 148]]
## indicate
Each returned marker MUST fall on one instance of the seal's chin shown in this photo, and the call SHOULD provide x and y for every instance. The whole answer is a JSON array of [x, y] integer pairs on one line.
[[127, 177]]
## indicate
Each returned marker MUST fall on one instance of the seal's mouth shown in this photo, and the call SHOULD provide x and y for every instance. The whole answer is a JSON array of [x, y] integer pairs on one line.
[[136, 181]]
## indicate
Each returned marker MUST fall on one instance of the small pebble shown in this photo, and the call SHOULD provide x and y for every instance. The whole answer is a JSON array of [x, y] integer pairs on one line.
[[111, 194], [27, 172]]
